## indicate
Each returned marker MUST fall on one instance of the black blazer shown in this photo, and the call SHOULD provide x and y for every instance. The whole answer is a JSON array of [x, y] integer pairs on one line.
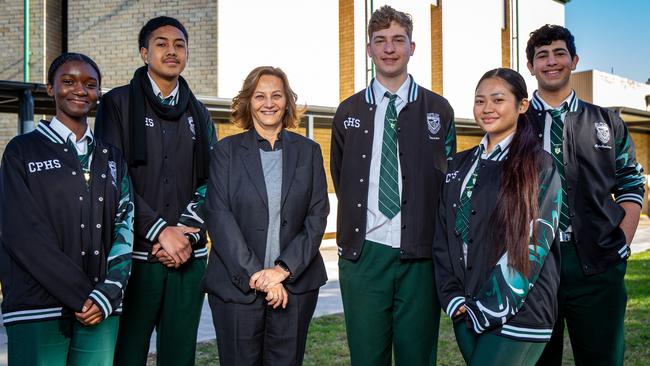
[[238, 217]]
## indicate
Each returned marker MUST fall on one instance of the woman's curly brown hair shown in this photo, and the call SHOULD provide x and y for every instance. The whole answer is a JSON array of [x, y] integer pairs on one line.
[[241, 104]]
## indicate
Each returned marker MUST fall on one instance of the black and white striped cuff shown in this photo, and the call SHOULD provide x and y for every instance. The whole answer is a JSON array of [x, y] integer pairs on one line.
[[630, 197], [625, 251], [454, 305], [155, 229], [102, 301]]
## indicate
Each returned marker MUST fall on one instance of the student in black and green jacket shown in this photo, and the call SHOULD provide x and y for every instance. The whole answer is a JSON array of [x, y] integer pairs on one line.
[[166, 136], [389, 151], [67, 230], [603, 189], [495, 249]]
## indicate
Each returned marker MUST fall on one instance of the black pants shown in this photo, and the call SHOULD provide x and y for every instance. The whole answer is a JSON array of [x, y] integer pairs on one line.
[[257, 334]]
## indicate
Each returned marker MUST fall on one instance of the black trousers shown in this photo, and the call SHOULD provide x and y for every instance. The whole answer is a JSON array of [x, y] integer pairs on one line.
[[257, 334]]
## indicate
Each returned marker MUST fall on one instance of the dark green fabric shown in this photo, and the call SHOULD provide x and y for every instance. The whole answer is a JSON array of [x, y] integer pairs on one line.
[[594, 310], [557, 147], [389, 201], [389, 303], [62, 342], [169, 300], [493, 350]]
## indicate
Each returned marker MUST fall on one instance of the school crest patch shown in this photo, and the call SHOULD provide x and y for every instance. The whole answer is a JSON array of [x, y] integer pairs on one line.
[[602, 132], [433, 124]]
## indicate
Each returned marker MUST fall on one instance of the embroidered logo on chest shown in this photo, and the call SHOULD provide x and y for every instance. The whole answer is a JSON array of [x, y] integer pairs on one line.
[[37, 166], [351, 122], [451, 176], [433, 125], [603, 135], [148, 122]]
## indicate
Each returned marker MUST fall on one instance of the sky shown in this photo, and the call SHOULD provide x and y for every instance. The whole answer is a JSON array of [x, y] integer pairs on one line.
[[611, 34]]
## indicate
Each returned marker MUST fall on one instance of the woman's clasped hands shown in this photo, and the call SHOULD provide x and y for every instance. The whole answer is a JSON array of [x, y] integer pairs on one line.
[[270, 281]]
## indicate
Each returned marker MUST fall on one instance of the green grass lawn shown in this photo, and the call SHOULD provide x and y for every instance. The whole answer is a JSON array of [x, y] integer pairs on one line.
[[327, 343]]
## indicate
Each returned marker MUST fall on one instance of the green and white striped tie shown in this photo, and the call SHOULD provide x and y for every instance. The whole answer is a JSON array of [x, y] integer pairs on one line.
[[389, 201], [557, 128], [84, 159], [166, 101], [465, 210]]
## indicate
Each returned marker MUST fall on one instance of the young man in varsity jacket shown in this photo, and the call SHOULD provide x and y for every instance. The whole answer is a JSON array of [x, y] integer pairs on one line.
[[390, 144], [166, 136], [595, 156]]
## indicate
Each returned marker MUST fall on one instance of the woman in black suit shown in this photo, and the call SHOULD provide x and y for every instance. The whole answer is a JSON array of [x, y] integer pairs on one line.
[[267, 211]]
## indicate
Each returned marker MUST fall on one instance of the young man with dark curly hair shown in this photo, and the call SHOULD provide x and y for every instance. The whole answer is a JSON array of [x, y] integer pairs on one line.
[[595, 156]]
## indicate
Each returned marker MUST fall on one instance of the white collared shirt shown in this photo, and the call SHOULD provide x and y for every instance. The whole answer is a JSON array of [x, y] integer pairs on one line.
[[505, 147], [379, 228], [81, 145], [541, 105], [157, 92]]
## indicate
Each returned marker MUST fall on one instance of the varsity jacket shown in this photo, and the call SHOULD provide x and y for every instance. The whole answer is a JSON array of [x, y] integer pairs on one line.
[[497, 298], [62, 241], [599, 161], [167, 191], [426, 137]]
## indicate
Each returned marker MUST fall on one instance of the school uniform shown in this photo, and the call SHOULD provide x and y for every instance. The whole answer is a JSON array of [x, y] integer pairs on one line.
[[266, 205], [508, 315], [386, 209], [67, 235], [594, 151], [169, 176]]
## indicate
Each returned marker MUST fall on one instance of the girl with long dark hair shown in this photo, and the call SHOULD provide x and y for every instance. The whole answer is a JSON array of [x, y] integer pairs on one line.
[[66, 230], [496, 262]]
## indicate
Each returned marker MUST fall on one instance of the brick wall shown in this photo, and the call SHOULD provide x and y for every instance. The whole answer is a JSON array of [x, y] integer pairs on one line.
[[346, 48], [467, 142], [44, 46], [436, 48], [108, 30], [505, 36], [11, 41]]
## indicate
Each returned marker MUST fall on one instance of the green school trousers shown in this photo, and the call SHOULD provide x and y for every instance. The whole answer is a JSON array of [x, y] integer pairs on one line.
[[62, 342], [390, 305], [593, 308], [167, 299]]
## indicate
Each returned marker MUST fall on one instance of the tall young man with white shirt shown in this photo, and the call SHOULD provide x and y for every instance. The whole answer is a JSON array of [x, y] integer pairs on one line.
[[595, 156], [390, 144], [166, 136]]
